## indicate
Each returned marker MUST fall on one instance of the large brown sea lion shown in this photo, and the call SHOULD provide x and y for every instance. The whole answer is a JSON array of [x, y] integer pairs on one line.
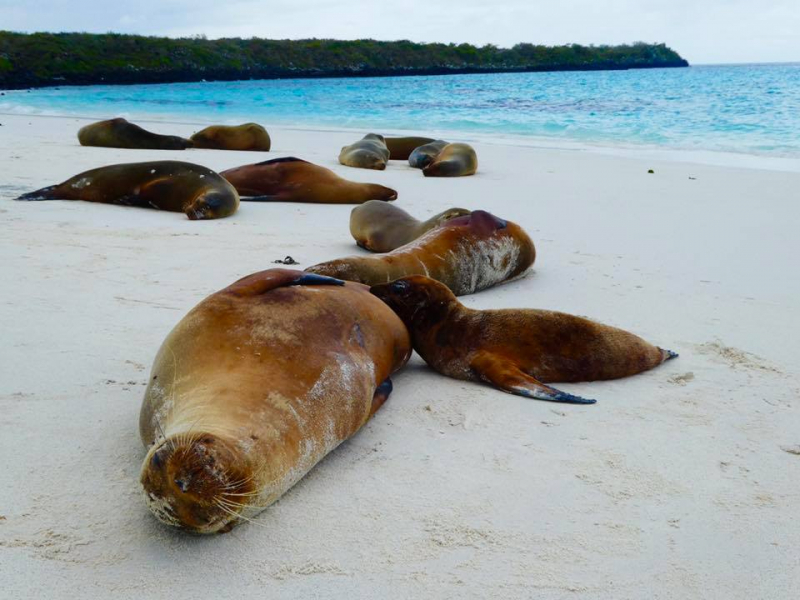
[[424, 155], [248, 136], [381, 227], [294, 180], [400, 148], [515, 350], [370, 152], [164, 184], [467, 254], [455, 160], [119, 133], [255, 386]]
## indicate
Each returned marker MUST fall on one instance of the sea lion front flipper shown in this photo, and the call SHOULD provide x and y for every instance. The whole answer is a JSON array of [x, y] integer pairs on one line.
[[507, 376], [264, 281], [381, 396], [262, 198]]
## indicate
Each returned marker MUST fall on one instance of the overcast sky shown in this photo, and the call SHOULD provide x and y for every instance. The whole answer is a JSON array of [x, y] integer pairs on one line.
[[702, 31]]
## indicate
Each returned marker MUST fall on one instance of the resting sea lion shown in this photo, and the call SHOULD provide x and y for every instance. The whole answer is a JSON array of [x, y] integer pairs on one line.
[[120, 133], [249, 136], [370, 152], [455, 160], [467, 254], [400, 148], [163, 184], [515, 350], [382, 227], [294, 180], [424, 155], [255, 386]]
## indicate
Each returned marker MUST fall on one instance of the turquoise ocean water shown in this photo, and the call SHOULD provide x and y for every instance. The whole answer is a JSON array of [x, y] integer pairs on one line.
[[752, 109]]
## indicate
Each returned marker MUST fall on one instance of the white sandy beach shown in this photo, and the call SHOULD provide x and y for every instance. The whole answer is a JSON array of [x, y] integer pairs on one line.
[[679, 483]]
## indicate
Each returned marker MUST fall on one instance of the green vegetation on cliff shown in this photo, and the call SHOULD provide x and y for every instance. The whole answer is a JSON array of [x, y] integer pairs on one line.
[[41, 59]]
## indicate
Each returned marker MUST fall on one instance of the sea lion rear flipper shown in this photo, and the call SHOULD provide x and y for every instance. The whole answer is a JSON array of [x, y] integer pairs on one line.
[[507, 376], [46, 193], [381, 396], [264, 281], [263, 198]]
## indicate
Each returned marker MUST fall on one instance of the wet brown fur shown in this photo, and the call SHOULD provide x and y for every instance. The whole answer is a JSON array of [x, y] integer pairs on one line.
[[294, 180], [370, 152], [467, 254], [381, 227], [400, 148], [515, 350], [254, 386], [455, 160], [248, 136], [168, 185], [120, 133]]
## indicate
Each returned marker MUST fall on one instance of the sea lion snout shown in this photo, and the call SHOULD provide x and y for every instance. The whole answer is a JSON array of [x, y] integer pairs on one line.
[[194, 483]]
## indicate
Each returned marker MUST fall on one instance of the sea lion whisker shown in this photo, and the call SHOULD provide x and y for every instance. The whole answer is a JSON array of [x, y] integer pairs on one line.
[[239, 516]]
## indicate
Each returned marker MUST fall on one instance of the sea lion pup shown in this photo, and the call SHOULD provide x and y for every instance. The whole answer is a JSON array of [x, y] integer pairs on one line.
[[293, 180], [400, 148], [467, 254], [120, 133], [370, 152], [455, 160], [255, 386], [248, 136], [515, 350], [163, 184], [424, 155], [381, 227]]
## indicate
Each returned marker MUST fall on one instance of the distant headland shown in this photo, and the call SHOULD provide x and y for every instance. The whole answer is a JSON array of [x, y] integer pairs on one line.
[[53, 59]]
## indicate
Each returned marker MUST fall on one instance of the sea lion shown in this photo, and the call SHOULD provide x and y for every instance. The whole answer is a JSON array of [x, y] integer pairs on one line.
[[254, 386], [467, 254], [381, 227], [163, 184], [248, 136], [400, 148], [515, 350], [455, 160], [370, 152], [424, 155], [293, 180], [120, 133]]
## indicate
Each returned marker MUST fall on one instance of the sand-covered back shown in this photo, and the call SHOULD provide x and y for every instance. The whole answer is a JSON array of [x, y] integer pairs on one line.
[[679, 483]]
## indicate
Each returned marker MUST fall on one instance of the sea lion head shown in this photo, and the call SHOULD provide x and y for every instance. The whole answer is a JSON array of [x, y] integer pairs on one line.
[[197, 483], [380, 192], [213, 204], [479, 221], [416, 299]]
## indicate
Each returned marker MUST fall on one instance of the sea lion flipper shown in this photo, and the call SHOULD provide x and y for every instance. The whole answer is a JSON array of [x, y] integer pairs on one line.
[[262, 198], [381, 396], [265, 281], [46, 193], [507, 376]]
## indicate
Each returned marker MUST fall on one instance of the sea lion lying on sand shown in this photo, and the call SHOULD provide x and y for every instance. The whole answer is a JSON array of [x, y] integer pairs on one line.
[[370, 152], [120, 133], [293, 180], [255, 386], [163, 184], [248, 136], [424, 155], [381, 227], [515, 350], [400, 148], [467, 254], [455, 160]]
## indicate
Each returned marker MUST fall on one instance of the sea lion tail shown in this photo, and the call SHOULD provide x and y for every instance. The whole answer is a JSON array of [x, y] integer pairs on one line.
[[46, 193]]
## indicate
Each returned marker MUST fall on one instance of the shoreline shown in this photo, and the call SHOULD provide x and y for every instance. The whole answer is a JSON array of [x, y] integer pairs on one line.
[[643, 152]]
